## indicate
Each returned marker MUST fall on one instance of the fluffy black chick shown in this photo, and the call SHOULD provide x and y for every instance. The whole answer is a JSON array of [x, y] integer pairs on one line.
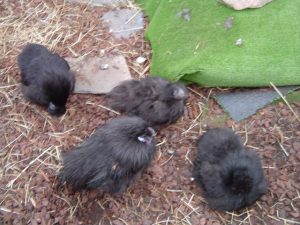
[[154, 99], [46, 78], [231, 177], [112, 158]]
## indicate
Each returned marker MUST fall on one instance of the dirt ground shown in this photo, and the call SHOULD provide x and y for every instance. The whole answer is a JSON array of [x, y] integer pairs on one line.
[[31, 141]]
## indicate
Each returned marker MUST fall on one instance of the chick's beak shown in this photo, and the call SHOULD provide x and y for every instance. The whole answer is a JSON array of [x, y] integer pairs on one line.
[[148, 137], [179, 93], [152, 131], [51, 107], [56, 110]]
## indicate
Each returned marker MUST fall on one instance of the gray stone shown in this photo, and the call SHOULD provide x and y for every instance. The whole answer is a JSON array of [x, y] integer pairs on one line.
[[124, 22], [185, 14], [101, 2], [244, 4], [90, 78], [242, 104], [228, 23]]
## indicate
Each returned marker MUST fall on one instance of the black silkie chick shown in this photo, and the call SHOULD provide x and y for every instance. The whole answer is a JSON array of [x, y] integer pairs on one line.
[[231, 177], [112, 158], [46, 78], [154, 99]]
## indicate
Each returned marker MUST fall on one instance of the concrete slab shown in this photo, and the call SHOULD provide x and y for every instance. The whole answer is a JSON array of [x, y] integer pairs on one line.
[[101, 2], [98, 75], [242, 104], [124, 22]]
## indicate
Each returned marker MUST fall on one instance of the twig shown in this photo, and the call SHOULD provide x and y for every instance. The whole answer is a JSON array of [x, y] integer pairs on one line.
[[33, 161], [134, 15], [164, 163], [283, 149], [286, 102], [104, 107]]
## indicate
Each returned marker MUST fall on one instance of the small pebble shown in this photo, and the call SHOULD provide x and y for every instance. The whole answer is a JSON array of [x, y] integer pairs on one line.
[[186, 14], [170, 151], [140, 59], [104, 67], [239, 42], [202, 221], [102, 52], [147, 222], [228, 23], [45, 202]]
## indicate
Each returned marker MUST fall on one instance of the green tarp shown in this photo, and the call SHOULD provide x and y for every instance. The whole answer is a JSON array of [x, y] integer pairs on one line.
[[203, 51]]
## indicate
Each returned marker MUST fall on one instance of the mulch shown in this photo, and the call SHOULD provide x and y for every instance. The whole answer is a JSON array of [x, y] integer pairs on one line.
[[32, 142]]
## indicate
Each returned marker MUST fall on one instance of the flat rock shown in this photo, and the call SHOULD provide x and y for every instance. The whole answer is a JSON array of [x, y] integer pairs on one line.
[[242, 104], [100, 2], [98, 75], [244, 4], [124, 22]]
